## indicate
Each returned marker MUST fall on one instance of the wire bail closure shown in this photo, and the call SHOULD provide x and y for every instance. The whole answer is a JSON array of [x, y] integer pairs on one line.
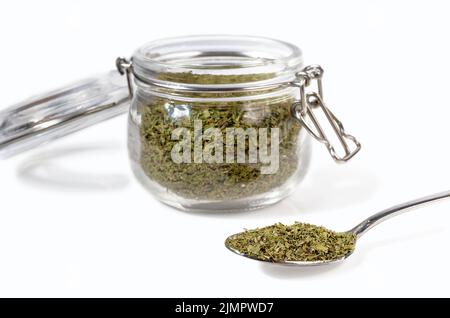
[[125, 66], [303, 112]]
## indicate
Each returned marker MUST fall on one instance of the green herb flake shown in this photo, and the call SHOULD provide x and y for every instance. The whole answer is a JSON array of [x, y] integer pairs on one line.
[[297, 242], [215, 181]]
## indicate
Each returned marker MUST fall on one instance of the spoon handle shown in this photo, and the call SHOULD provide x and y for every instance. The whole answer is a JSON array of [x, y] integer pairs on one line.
[[398, 209]]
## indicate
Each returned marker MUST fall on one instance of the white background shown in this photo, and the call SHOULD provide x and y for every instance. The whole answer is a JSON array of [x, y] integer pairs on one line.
[[74, 221]]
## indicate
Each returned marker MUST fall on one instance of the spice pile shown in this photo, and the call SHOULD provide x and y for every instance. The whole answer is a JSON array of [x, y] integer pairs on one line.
[[297, 242], [215, 181]]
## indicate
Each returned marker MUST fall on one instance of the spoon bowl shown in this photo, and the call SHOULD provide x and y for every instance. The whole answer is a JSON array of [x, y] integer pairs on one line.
[[287, 262]]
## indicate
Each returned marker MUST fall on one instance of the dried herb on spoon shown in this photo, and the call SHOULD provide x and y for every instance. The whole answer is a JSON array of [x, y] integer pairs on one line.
[[297, 242]]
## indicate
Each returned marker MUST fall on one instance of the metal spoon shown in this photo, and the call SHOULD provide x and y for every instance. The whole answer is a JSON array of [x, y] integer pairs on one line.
[[361, 228]]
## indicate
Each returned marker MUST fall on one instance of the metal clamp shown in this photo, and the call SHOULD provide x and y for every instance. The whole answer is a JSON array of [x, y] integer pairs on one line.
[[125, 66], [303, 112]]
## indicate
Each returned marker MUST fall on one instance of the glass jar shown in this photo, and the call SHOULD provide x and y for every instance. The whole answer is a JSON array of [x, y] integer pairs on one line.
[[216, 123], [230, 88]]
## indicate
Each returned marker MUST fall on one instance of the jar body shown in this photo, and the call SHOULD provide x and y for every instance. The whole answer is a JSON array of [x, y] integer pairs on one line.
[[211, 125], [243, 169]]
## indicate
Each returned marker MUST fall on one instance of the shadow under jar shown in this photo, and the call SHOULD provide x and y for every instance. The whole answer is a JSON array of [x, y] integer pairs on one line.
[[211, 125]]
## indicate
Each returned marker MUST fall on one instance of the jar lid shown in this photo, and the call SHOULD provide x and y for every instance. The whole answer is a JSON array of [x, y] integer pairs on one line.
[[62, 111]]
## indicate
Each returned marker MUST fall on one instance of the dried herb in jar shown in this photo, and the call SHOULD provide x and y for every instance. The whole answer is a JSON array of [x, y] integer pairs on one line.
[[297, 242], [161, 115]]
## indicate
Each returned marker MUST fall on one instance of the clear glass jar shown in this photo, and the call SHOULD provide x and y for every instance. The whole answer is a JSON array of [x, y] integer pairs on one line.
[[231, 86], [216, 123]]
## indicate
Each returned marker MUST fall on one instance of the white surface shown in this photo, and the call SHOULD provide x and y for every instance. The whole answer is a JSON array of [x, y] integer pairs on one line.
[[74, 221]]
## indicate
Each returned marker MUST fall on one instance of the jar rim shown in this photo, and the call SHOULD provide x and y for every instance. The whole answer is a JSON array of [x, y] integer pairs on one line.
[[231, 59]]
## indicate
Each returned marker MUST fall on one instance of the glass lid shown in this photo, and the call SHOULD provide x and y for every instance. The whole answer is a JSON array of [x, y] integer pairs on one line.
[[59, 112]]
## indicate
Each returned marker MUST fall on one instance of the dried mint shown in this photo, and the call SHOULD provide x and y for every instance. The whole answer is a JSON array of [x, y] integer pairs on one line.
[[162, 113], [297, 242]]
